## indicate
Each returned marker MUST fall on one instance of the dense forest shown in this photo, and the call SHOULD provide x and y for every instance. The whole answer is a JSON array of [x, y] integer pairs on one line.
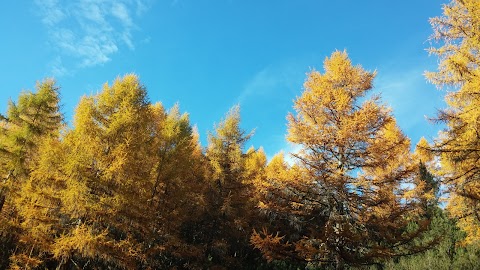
[[129, 186]]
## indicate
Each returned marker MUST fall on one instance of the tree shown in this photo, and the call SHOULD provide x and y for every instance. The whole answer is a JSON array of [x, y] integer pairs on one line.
[[115, 190], [448, 254], [86, 202], [228, 218], [178, 194], [34, 119], [355, 190], [458, 146], [36, 115]]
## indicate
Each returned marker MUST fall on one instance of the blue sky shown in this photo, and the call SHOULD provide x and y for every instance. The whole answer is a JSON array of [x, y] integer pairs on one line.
[[211, 55]]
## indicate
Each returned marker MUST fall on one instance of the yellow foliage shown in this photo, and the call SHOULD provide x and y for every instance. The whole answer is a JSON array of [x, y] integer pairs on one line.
[[354, 179], [458, 147], [268, 244]]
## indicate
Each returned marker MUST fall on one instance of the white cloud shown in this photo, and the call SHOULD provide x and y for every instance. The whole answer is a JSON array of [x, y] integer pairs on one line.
[[58, 69], [120, 11], [263, 81], [52, 14], [90, 31], [271, 79], [290, 150]]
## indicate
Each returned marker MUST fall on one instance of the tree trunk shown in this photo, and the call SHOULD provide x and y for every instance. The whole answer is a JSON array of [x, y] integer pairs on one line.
[[2, 201], [339, 264]]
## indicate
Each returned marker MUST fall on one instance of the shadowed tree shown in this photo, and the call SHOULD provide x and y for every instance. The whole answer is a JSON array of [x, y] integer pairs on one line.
[[231, 208]]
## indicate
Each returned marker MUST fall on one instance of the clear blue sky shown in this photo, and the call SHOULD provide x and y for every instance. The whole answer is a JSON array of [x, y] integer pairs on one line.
[[211, 55]]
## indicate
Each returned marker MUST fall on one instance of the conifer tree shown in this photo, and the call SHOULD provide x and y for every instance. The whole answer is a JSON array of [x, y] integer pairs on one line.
[[458, 33], [355, 189], [34, 116], [178, 194], [230, 211], [114, 191], [28, 124]]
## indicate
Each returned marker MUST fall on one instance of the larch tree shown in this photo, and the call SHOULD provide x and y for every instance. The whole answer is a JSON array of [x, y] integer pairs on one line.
[[278, 195], [34, 116], [39, 205], [177, 196], [458, 146], [114, 191], [355, 190], [230, 209], [34, 119], [101, 182]]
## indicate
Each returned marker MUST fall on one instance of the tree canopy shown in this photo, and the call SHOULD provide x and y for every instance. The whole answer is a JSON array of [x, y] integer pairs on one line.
[[355, 187], [128, 185], [458, 147]]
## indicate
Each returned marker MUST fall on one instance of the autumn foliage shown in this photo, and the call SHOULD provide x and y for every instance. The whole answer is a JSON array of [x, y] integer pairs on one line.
[[355, 187], [128, 184], [457, 148]]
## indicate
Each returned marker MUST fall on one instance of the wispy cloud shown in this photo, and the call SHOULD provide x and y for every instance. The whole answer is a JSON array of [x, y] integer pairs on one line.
[[412, 99], [89, 32], [271, 79], [174, 2], [58, 69]]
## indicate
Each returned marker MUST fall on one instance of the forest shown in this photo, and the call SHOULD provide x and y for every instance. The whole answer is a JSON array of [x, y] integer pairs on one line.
[[129, 186]]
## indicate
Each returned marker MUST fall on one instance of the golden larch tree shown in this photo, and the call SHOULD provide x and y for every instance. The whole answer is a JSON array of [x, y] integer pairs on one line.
[[458, 146], [28, 125], [227, 221], [355, 190], [115, 190]]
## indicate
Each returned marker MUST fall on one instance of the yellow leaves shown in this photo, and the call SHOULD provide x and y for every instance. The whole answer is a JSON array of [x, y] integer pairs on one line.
[[389, 153], [225, 148], [81, 241], [422, 150], [101, 174], [84, 113], [333, 93], [466, 210], [24, 261], [328, 112], [471, 226], [268, 244], [276, 167], [458, 32], [355, 174], [85, 242], [256, 160], [340, 72]]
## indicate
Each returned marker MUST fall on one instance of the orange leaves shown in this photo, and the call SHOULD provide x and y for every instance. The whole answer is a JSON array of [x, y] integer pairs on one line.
[[458, 147], [355, 177], [23, 261], [269, 244], [81, 240], [120, 182]]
